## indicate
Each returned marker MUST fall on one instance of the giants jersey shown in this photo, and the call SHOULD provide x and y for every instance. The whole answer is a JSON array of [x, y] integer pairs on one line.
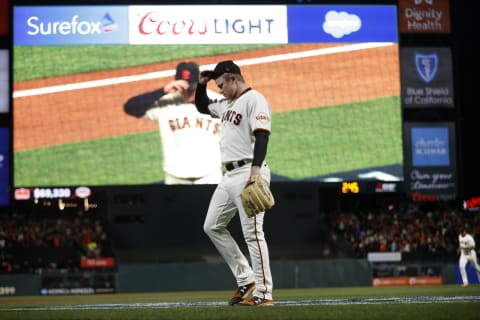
[[240, 118], [465, 242], [190, 140]]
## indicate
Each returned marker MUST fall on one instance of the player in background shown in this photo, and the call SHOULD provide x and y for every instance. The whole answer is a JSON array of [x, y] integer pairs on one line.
[[246, 124], [466, 247], [189, 139]]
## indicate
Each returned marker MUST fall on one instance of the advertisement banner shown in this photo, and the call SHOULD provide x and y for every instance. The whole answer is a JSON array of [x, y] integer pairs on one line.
[[225, 24], [4, 81], [4, 166], [70, 25], [426, 77], [430, 161], [4, 18], [424, 16], [406, 281], [107, 262], [203, 24], [335, 23]]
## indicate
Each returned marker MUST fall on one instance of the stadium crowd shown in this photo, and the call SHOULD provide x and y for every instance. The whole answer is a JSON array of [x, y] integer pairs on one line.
[[31, 244], [419, 234], [43, 244]]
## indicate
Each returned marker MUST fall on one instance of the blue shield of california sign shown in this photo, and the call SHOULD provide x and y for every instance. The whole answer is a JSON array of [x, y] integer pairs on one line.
[[427, 65], [426, 77]]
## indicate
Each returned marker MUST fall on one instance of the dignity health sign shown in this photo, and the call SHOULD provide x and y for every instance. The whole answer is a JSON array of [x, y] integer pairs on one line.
[[203, 24]]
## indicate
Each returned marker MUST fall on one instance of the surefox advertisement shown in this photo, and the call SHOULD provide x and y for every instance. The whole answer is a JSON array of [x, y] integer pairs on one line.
[[70, 25]]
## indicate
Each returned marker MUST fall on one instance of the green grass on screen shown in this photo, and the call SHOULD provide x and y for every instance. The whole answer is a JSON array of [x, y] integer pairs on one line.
[[338, 138], [36, 62], [334, 139]]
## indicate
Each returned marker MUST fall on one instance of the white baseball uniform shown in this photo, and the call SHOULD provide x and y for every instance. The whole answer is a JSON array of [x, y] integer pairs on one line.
[[240, 118], [190, 142], [467, 255]]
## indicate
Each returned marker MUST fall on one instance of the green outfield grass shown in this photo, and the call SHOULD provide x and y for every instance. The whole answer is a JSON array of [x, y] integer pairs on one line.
[[36, 62], [315, 303], [336, 140]]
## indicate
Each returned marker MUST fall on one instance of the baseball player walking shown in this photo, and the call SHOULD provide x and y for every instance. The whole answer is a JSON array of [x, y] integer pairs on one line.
[[466, 246], [246, 123], [189, 139]]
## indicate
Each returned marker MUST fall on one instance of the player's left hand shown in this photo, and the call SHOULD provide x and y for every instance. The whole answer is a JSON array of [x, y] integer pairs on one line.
[[205, 76], [256, 196], [254, 170]]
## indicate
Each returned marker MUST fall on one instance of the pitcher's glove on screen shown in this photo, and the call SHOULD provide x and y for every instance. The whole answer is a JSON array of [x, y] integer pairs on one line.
[[256, 196]]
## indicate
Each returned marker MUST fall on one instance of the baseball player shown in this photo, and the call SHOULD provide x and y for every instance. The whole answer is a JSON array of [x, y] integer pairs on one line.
[[189, 139], [246, 123], [466, 246]]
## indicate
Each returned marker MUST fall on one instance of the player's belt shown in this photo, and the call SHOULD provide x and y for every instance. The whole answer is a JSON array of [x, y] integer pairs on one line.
[[236, 164]]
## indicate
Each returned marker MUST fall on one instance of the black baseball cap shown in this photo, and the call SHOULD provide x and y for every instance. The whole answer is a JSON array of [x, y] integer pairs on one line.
[[227, 66], [188, 71]]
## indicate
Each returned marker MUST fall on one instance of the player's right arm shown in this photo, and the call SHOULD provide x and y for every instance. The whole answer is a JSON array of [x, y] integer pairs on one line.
[[137, 106]]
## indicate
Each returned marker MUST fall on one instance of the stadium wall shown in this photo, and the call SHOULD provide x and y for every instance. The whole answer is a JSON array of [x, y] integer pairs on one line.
[[204, 276]]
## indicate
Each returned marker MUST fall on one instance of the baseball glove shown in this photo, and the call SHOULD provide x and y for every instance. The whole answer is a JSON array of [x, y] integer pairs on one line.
[[256, 196]]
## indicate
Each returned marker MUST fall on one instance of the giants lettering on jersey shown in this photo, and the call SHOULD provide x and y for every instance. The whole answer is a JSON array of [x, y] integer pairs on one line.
[[202, 123], [232, 116]]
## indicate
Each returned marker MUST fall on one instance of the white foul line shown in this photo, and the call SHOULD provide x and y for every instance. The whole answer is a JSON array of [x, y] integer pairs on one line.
[[166, 73], [158, 305]]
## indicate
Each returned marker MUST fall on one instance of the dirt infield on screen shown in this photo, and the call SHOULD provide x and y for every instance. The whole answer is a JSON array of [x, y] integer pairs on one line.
[[332, 111]]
